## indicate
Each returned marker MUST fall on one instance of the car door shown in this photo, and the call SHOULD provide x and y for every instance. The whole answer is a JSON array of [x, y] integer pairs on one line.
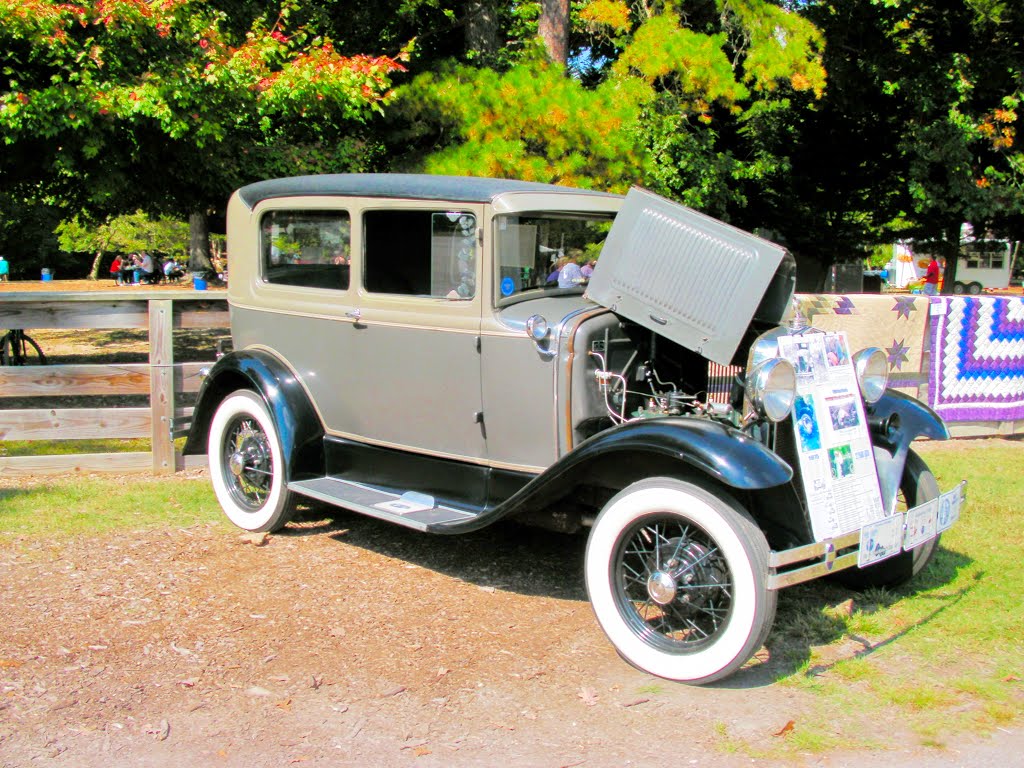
[[413, 345]]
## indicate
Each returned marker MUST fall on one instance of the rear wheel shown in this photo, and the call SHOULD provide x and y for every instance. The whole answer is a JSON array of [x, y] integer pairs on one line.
[[974, 288], [917, 486], [677, 579], [959, 288], [247, 464], [18, 348]]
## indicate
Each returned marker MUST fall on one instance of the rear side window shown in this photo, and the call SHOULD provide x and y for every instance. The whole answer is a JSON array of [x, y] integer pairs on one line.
[[421, 253], [306, 248]]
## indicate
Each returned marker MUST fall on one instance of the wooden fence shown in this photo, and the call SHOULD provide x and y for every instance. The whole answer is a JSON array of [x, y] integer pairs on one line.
[[161, 379]]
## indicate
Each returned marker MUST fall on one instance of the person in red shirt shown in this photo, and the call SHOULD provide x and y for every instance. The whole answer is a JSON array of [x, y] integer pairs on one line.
[[931, 278]]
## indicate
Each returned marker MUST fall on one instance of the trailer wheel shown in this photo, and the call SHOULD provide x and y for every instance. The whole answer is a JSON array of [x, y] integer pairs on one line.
[[974, 288], [677, 579]]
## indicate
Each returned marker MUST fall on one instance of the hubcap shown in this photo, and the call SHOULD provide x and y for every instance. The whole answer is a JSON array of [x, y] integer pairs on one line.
[[661, 587], [248, 463]]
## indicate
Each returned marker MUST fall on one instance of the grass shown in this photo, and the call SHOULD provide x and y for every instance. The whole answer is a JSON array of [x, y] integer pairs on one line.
[[96, 505], [940, 656]]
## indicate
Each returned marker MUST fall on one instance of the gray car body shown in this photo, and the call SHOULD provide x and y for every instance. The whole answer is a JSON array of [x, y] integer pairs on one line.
[[436, 383]]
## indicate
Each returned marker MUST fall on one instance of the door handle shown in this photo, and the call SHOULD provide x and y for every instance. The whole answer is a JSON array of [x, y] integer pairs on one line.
[[355, 314]]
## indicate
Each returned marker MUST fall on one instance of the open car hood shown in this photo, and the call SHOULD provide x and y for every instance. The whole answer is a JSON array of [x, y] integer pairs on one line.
[[689, 277]]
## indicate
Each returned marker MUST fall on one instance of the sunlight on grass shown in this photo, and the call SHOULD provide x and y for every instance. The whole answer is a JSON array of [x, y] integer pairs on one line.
[[94, 505], [890, 653]]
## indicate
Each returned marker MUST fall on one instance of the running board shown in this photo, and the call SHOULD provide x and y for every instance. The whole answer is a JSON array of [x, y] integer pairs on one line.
[[413, 510]]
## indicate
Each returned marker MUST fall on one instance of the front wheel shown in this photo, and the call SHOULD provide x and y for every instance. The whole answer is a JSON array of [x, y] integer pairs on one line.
[[247, 464], [677, 579]]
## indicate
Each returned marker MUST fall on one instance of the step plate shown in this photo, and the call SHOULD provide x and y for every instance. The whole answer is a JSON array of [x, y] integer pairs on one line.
[[380, 504]]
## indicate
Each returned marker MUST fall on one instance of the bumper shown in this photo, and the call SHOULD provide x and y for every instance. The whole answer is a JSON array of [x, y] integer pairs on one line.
[[872, 543]]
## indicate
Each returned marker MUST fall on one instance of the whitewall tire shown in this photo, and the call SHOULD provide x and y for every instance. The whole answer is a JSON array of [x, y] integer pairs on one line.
[[677, 579], [247, 464]]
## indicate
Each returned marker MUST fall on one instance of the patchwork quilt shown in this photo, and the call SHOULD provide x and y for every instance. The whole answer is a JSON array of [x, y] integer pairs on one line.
[[977, 371]]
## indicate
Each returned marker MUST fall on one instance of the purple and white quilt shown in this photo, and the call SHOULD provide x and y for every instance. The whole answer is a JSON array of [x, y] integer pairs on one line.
[[977, 371]]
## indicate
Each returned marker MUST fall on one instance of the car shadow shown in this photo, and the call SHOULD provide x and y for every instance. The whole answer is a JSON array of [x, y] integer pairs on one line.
[[504, 556], [814, 622]]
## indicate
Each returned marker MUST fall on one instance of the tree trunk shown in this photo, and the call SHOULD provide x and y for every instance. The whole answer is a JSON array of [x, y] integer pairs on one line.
[[94, 273], [553, 28], [950, 251], [199, 243], [482, 27]]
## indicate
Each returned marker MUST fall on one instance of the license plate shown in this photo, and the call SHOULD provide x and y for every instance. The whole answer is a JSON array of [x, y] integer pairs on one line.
[[903, 531]]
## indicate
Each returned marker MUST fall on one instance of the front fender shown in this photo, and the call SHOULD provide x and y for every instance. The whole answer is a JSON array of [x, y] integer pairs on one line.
[[896, 421], [297, 423], [648, 447]]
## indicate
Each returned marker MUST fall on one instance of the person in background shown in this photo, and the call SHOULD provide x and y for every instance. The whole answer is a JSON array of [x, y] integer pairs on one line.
[[5, 269], [144, 270], [931, 278], [115, 270], [172, 272], [569, 274]]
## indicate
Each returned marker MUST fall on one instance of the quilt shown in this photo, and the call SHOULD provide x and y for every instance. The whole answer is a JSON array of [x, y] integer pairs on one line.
[[977, 371]]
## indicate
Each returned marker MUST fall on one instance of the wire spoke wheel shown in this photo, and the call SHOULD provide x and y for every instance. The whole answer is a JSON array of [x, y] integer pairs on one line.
[[18, 348], [674, 586], [677, 577], [247, 464]]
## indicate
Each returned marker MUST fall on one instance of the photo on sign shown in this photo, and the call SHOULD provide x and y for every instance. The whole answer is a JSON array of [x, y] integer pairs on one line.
[[807, 425], [835, 350], [843, 415], [840, 460]]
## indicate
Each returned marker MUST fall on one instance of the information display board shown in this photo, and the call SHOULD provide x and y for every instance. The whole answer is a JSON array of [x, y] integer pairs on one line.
[[837, 464]]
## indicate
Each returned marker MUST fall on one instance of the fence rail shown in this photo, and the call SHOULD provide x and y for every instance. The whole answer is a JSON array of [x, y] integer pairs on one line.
[[161, 379]]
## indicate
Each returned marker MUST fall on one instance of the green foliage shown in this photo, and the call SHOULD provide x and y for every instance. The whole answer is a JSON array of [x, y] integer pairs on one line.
[[124, 234], [619, 123], [558, 131], [116, 101]]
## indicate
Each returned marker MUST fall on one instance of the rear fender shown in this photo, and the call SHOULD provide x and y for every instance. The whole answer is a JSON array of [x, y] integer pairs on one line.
[[296, 420]]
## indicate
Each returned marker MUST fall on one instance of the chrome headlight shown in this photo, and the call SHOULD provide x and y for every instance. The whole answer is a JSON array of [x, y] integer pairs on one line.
[[872, 368], [771, 388]]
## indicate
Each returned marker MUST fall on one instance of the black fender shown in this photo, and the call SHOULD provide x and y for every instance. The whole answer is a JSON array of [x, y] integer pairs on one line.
[[896, 420], [637, 449], [298, 424]]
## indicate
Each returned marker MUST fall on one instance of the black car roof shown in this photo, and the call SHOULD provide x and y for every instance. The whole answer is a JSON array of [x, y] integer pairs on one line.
[[410, 186]]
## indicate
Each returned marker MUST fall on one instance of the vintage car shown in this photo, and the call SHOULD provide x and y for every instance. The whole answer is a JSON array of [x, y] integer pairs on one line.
[[443, 353]]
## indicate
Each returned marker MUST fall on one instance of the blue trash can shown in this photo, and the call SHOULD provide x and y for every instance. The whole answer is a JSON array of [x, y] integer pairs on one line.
[[47, 274], [198, 283]]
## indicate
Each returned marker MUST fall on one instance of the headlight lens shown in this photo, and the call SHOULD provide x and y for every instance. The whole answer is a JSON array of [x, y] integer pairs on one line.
[[771, 388], [872, 368]]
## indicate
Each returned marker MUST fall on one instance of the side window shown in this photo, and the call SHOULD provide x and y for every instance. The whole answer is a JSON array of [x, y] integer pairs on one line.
[[306, 248], [421, 253]]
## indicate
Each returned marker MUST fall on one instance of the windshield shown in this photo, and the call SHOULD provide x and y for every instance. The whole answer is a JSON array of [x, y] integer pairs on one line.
[[547, 253]]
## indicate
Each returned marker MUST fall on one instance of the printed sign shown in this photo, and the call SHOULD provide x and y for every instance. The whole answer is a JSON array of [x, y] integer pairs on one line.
[[837, 464]]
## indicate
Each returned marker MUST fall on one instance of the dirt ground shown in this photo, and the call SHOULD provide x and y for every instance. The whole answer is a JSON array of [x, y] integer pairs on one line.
[[345, 641]]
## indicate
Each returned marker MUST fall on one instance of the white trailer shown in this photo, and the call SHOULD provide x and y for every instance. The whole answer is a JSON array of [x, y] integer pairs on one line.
[[985, 264]]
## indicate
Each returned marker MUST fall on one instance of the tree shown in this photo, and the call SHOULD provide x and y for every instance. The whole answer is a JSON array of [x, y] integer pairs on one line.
[[916, 134], [121, 235], [643, 75], [115, 103]]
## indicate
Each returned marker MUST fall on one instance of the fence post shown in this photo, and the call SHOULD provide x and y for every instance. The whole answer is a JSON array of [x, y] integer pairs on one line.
[[161, 383]]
